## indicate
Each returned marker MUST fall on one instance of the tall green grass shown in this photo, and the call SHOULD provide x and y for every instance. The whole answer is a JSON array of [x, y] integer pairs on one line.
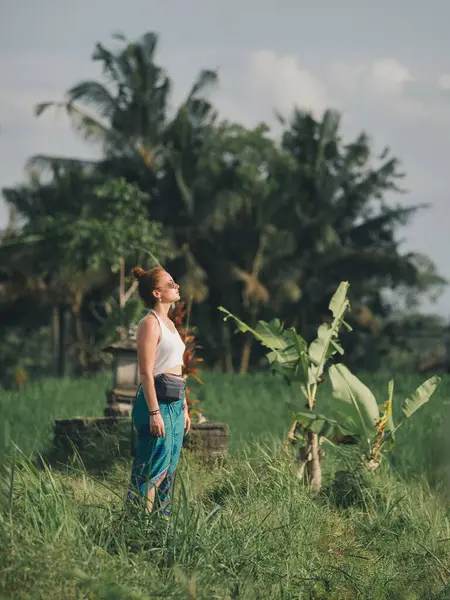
[[28, 415], [256, 407], [247, 529]]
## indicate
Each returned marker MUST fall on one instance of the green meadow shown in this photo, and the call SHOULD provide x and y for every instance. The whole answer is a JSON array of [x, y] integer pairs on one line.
[[244, 529]]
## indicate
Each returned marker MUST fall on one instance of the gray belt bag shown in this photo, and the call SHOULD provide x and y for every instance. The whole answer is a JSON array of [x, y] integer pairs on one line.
[[169, 389]]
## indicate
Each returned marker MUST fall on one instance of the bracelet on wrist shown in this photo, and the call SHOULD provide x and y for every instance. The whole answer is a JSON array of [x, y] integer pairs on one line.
[[152, 413]]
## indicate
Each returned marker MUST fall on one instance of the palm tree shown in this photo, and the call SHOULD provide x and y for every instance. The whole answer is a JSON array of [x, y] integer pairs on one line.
[[345, 227], [293, 222], [129, 115], [129, 112]]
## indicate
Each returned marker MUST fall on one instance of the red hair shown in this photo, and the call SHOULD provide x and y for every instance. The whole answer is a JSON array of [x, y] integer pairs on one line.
[[148, 282]]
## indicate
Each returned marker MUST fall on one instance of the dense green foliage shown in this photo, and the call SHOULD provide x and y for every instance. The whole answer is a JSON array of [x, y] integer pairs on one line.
[[247, 529], [263, 225]]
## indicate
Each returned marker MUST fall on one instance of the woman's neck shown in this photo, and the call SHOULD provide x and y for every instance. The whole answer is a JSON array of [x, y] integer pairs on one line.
[[162, 310]]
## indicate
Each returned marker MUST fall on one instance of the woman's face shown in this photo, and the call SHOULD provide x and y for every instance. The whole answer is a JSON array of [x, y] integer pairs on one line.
[[169, 291]]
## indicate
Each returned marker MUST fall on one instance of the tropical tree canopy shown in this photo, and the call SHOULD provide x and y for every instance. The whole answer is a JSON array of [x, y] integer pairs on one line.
[[265, 226]]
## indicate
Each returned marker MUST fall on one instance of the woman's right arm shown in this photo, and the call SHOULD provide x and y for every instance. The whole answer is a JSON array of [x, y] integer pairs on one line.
[[147, 341]]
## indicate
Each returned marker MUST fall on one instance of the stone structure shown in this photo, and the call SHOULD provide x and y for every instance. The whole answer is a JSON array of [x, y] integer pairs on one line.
[[81, 431], [209, 439], [125, 378]]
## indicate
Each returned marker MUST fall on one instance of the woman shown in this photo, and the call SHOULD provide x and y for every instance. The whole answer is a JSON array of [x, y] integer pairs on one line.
[[160, 412]]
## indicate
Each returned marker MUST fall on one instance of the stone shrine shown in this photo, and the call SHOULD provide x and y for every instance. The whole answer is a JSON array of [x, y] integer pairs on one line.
[[125, 378]]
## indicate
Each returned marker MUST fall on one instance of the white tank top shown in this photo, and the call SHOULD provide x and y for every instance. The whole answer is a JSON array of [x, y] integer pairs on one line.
[[170, 349]]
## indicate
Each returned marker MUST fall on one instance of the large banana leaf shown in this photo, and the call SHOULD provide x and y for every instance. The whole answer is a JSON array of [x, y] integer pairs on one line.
[[269, 334], [295, 364], [326, 344], [325, 427], [417, 399], [354, 401], [288, 350], [420, 396]]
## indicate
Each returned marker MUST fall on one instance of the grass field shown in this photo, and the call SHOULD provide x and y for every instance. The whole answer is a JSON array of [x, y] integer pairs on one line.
[[247, 529]]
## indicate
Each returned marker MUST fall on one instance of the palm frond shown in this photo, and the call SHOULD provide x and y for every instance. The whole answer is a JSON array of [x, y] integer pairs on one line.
[[119, 36], [253, 288], [43, 163], [149, 44], [92, 93], [108, 59], [387, 219], [205, 79], [91, 128]]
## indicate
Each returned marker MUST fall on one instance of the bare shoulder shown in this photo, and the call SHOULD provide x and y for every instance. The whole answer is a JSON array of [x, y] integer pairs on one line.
[[149, 325]]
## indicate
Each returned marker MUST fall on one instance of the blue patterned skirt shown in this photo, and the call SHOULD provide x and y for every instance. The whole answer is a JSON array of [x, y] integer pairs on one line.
[[156, 457]]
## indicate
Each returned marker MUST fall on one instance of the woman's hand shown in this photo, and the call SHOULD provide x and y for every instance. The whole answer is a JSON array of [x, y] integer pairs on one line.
[[187, 421], [157, 425]]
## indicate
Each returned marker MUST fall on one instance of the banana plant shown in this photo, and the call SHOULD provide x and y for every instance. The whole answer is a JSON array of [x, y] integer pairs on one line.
[[356, 406], [304, 365], [355, 414]]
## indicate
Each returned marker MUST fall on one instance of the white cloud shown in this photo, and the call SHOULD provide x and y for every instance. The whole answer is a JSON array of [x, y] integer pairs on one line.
[[285, 83], [386, 87], [385, 77], [444, 82], [388, 77]]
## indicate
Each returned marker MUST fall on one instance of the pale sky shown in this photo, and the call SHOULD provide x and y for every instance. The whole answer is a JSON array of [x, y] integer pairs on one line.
[[384, 64]]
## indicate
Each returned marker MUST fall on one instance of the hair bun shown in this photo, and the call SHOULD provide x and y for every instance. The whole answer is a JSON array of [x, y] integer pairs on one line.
[[138, 272]]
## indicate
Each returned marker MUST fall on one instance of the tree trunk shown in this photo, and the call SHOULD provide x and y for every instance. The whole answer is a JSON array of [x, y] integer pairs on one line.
[[290, 436], [55, 339], [308, 458], [61, 341], [245, 354], [314, 469], [122, 283], [82, 356], [251, 304], [303, 457], [228, 356]]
